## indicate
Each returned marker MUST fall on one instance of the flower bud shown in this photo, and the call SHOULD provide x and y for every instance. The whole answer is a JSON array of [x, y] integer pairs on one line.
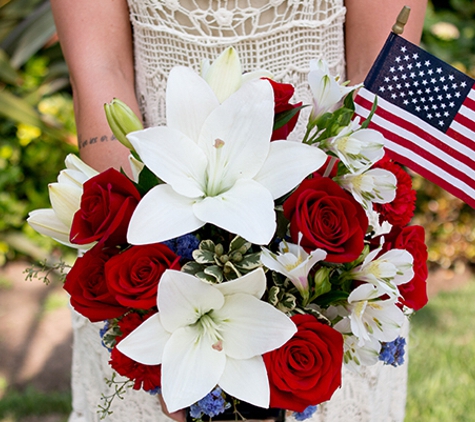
[[122, 120], [322, 281]]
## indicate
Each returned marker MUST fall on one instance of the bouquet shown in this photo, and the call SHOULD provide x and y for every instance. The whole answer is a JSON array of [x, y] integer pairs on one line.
[[235, 265]]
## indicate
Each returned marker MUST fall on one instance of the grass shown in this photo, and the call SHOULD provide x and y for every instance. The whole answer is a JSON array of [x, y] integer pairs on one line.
[[14, 404], [442, 359]]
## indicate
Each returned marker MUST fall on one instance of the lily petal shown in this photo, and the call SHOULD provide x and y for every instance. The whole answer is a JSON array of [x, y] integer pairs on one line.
[[298, 160], [191, 368], [244, 140], [65, 200], [189, 101], [253, 283], [73, 162], [146, 343], [162, 214], [46, 222], [231, 211], [183, 299], [173, 157], [247, 380], [252, 327]]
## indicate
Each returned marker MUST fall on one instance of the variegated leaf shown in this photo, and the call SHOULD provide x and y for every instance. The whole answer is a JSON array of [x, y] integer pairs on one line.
[[215, 272], [203, 256], [192, 267], [250, 262]]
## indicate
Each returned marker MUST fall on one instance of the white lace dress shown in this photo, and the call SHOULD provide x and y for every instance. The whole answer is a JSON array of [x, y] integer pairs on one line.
[[280, 36]]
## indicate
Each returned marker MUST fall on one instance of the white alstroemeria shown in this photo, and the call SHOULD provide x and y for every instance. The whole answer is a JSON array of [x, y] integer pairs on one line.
[[355, 357], [390, 270], [65, 197], [210, 334], [293, 262], [217, 163], [371, 317], [378, 228], [375, 185], [225, 75], [358, 149], [327, 90]]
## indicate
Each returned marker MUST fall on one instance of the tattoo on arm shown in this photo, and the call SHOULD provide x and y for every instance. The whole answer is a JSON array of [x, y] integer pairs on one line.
[[82, 143]]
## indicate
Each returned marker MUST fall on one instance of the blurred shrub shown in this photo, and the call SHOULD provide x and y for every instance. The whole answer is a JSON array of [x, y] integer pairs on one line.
[[449, 33]]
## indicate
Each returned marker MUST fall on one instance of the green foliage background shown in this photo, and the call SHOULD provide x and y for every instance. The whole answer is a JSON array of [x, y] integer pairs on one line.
[[37, 126]]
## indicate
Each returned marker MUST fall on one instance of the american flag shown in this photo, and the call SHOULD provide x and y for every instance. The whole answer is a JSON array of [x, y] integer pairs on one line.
[[426, 112]]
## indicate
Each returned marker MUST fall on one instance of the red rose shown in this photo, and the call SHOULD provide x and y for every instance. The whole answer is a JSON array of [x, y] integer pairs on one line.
[[328, 218], [107, 204], [306, 370], [133, 275], [147, 377], [87, 286], [282, 95], [399, 211], [412, 239]]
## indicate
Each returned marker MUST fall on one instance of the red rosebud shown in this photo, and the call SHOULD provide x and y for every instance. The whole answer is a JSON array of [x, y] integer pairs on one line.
[[328, 218], [306, 370], [147, 377], [87, 286], [282, 95], [133, 276], [107, 204]]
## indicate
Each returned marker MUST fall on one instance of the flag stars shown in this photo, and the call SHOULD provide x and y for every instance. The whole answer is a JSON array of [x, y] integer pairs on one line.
[[382, 88], [426, 108], [463, 84], [451, 104], [451, 77], [415, 100], [415, 56], [439, 97], [442, 79], [419, 92], [429, 116], [403, 49], [410, 66], [437, 115], [403, 76], [422, 73], [424, 82], [454, 86], [393, 96], [387, 79], [412, 75], [392, 69], [427, 63], [395, 78], [439, 70], [433, 81], [397, 59], [446, 114], [418, 64], [443, 106], [434, 107], [406, 58], [457, 95], [436, 89], [448, 96], [441, 123], [428, 90], [400, 68], [418, 108], [390, 88], [406, 102], [430, 72], [398, 86]]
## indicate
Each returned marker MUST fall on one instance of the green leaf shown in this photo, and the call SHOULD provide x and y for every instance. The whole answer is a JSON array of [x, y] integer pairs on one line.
[[250, 262], [237, 243], [38, 33], [203, 256], [332, 298], [7, 73], [281, 119], [215, 272], [274, 295], [366, 123], [147, 180], [192, 267], [207, 245], [18, 110], [288, 303]]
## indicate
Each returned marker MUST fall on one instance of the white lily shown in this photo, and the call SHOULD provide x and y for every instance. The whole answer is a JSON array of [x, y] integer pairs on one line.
[[225, 75], [293, 262], [358, 149], [206, 335], [355, 356], [65, 197], [390, 270], [371, 317], [327, 91], [218, 163], [374, 185], [136, 166]]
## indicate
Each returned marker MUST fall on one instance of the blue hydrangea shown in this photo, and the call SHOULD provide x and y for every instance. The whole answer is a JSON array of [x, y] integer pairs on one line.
[[392, 353], [212, 405], [102, 333], [307, 413], [155, 391], [183, 246]]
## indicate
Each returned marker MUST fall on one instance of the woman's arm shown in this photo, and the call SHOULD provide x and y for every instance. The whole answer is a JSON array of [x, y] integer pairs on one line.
[[96, 39], [368, 24]]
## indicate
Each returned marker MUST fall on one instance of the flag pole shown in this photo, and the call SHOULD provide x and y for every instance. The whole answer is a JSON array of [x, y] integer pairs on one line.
[[398, 27]]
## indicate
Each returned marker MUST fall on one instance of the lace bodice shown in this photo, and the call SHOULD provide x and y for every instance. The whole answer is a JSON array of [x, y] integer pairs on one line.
[[280, 36]]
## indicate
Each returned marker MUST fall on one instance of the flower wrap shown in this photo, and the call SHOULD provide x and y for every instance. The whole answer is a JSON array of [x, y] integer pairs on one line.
[[307, 369], [133, 276], [328, 218], [107, 204]]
